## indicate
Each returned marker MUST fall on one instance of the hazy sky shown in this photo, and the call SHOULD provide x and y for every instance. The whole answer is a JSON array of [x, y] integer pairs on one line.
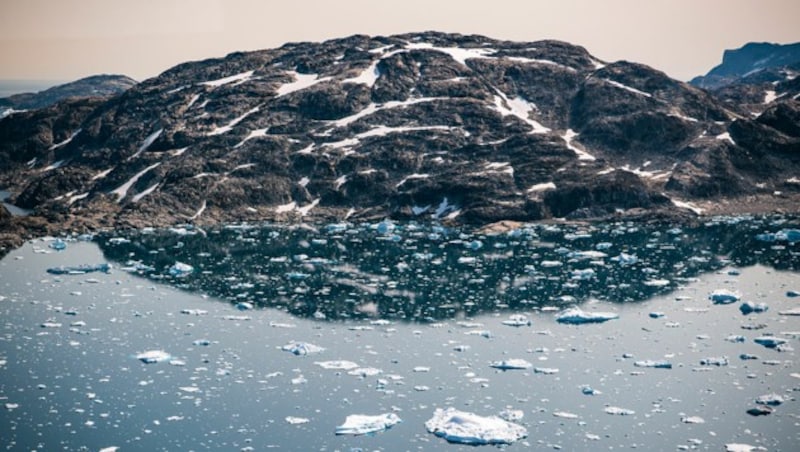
[[69, 39]]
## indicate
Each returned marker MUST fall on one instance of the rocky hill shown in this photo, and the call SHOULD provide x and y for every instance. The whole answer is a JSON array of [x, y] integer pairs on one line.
[[752, 59], [93, 86], [426, 126]]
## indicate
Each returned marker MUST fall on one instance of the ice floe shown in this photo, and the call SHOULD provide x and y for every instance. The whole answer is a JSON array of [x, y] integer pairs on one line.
[[468, 428], [576, 316], [615, 410], [510, 364], [153, 356], [769, 341], [302, 348], [723, 296], [360, 424]]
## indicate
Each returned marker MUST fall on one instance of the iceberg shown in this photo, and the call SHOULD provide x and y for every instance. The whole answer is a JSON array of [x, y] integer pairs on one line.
[[722, 296], [360, 424], [511, 364], [179, 269], [153, 356], [715, 361], [654, 364], [576, 316], [748, 307], [517, 320], [80, 269], [770, 399], [467, 428], [337, 365], [302, 348], [769, 341], [619, 411], [58, 245]]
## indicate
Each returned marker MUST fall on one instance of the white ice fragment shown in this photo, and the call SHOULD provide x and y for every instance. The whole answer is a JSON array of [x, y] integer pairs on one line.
[[723, 296], [739, 447], [545, 370], [467, 428], [660, 364], [619, 411], [576, 316], [153, 356], [360, 424], [337, 365], [770, 399], [749, 307], [302, 348], [517, 320], [692, 420], [511, 364], [180, 269], [718, 361], [296, 420], [565, 415]]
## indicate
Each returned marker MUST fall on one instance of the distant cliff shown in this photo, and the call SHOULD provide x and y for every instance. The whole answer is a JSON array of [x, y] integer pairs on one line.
[[96, 85]]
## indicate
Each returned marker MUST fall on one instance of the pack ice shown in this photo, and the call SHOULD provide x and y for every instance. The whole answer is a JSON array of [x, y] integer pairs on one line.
[[361, 424], [467, 428]]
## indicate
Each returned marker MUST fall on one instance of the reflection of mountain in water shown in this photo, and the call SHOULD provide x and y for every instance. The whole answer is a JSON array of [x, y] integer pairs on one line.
[[419, 273]]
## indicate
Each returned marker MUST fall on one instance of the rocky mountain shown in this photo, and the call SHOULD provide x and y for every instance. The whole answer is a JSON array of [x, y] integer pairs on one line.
[[93, 86], [755, 78], [752, 59], [427, 126]]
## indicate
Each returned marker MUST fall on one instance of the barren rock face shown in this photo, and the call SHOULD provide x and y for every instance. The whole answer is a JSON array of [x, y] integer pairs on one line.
[[423, 126]]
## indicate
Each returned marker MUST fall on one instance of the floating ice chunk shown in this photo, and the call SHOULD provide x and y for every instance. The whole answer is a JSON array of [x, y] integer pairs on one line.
[[179, 269], [360, 424], [50, 324], [337, 365], [545, 370], [714, 361], [467, 428], [565, 415], [582, 274], [588, 390], [693, 420], [619, 411], [735, 338], [656, 283], [551, 264], [748, 307], [510, 364], [770, 399], [109, 449], [738, 447], [769, 341], [517, 320], [792, 311], [296, 420], [793, 293], [194, 311], [576, 316], [244, 306], [723, 296], [58, 245], [591, 254], [761, 410], [202, 342], [656, 315], [302, 348], [80, 269], [655, 364], [364, 372], [153, 356], [747, 356]]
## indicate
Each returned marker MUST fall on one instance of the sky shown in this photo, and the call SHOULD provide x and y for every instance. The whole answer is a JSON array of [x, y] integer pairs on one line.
[[70, 39]]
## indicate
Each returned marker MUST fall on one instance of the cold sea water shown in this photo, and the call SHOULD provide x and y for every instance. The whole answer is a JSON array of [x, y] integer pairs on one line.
[[403, 336]]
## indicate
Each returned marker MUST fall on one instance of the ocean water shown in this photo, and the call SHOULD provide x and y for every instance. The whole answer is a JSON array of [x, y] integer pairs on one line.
[[423, 313]]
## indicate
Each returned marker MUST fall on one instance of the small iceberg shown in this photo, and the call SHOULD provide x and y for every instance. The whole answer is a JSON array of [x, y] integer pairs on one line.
[[179, 269], [576, 316], [58, 245], [617, 411], [80, 269], [467, 428], [693, 420], [769, 341], [722, 296], [360, 424], [770, 399], [654, 364], [302, 348], [511, 364], [517, 320], [748, 307], [714, 361], [153, 356]]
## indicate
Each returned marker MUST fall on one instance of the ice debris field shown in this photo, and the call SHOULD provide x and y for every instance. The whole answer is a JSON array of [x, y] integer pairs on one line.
[[399, 336]]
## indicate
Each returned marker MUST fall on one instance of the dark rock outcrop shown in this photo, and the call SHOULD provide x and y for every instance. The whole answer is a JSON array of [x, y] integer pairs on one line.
[[425, 126], [754, 59]]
